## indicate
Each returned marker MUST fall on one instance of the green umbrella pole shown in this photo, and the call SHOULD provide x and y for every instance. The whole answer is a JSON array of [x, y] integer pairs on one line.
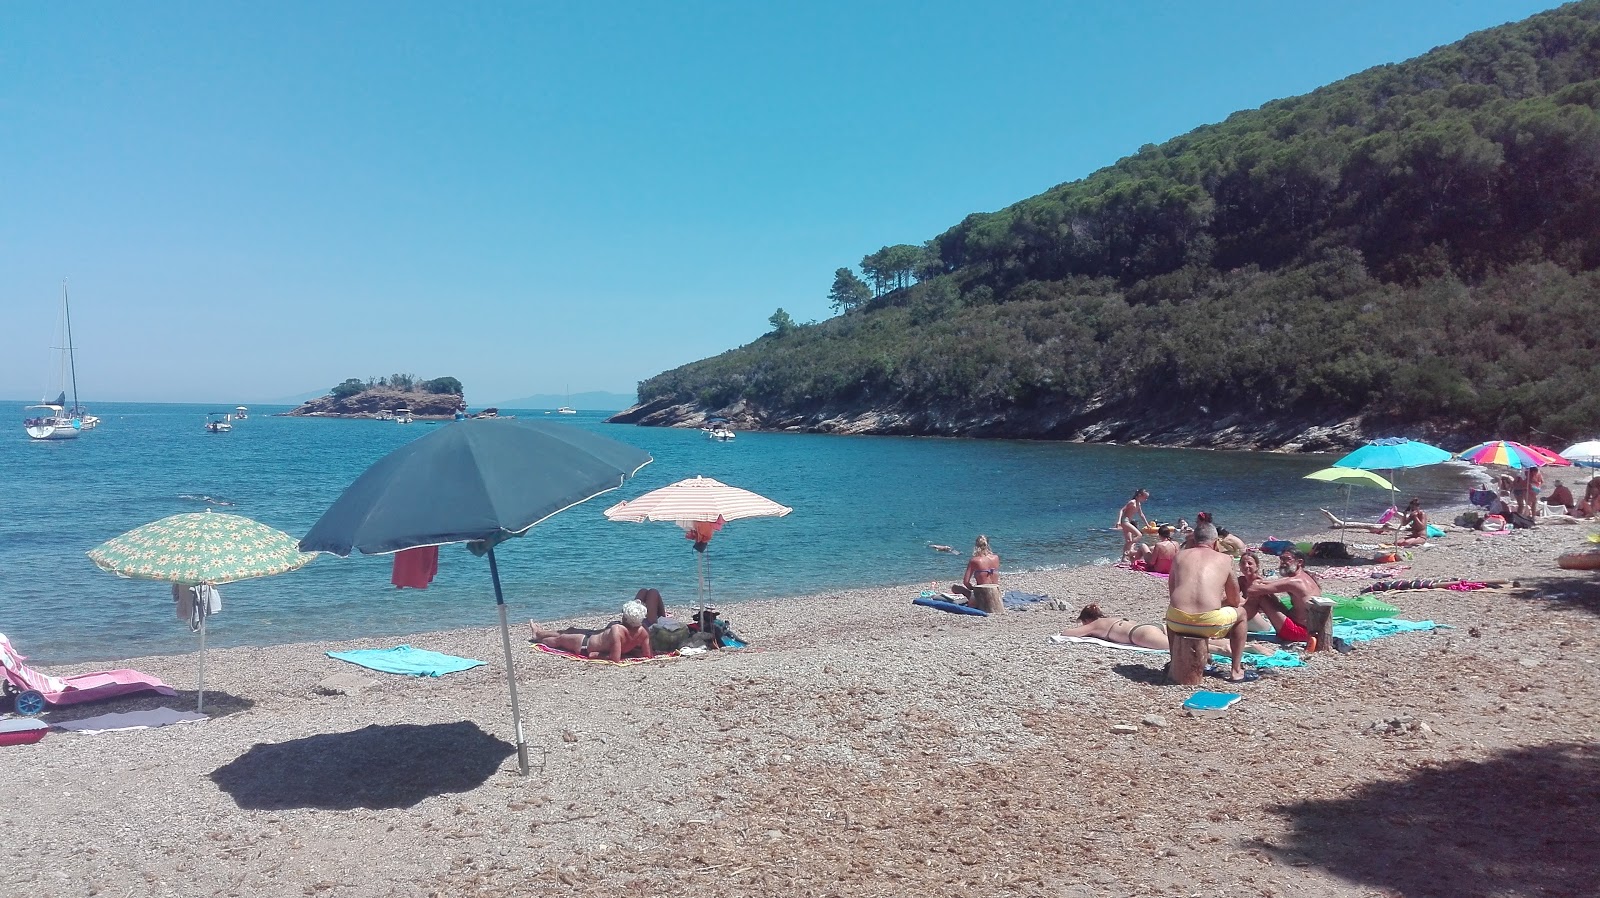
[[511, 672]]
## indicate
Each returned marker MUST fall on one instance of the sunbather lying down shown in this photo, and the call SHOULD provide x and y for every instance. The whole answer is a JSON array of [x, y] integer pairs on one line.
[[625, 638], [1095, 623]]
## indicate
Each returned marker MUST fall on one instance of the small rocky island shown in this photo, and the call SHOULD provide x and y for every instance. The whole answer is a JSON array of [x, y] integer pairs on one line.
[[381, 398]]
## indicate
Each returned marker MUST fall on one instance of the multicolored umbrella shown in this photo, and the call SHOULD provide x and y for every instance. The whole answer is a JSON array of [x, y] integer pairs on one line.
[[700, 506], [1551, 457], [200, 548], [1506, 453]]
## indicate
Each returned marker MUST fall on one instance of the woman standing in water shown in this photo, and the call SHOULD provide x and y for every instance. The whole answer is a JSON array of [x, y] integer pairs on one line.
[[1130, 530]]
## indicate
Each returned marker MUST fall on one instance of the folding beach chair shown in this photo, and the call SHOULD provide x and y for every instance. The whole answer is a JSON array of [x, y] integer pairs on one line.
[[31, 690]]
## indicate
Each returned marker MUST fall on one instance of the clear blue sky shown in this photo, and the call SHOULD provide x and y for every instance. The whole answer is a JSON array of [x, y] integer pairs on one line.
[[256, 200]]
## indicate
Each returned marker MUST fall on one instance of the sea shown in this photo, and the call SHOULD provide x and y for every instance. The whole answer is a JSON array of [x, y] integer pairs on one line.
[[866, 512]]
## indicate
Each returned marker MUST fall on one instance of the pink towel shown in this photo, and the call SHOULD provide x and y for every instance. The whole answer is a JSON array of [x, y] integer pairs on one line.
[[415, 567]]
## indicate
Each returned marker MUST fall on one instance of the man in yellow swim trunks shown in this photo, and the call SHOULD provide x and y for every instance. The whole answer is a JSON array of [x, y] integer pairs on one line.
[[1203, 597]]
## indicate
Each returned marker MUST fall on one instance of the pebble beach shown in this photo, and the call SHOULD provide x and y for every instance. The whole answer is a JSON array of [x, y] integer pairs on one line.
[[863, 746]]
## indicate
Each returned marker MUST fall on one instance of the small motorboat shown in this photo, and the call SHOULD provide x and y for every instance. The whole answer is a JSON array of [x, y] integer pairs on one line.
[[218, 422], [240, 413], [402, 416]]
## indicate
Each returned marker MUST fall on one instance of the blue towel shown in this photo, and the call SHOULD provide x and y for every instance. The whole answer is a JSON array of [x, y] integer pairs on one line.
[[1280, 658], [403, 659], [1363, 630], [1018, 601]]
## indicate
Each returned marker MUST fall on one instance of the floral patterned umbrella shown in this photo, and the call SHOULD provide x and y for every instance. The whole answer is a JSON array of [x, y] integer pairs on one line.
[[200, 548]]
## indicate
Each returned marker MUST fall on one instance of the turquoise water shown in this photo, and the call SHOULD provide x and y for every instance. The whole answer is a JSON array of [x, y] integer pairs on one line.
[[865, 510]]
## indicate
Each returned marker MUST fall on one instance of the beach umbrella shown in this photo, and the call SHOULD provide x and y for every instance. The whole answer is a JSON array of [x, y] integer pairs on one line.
[[200, 549], [1392, 453], [1349, 477], [1551, 457], [1585, 454], [700, 505], [479, 481], [1506, 453]]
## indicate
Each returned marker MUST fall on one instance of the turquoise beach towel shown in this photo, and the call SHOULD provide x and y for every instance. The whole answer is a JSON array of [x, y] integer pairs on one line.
[[1363, 630], [1280, 658], [403, 659]]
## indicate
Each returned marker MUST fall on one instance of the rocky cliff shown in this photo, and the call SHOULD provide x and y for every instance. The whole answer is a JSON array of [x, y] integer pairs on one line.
[[368, 403], [1178, 426]]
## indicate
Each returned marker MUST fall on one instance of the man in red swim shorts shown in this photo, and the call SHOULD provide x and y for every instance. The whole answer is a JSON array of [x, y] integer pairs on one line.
[[1295, 582]]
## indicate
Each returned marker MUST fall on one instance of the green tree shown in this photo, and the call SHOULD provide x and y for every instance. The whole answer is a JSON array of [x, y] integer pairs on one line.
[[848, 290], [444, 385], [349, 388], [781, 322]]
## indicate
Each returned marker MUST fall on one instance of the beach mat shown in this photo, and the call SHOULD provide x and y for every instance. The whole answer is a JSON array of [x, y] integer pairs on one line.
[[130, 720], [1364, 630], [403, 659], [951, 607], [570, 656], [1280, 658]]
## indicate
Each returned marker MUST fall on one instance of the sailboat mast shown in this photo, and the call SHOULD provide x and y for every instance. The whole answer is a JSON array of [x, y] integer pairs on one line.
[[72, 357]]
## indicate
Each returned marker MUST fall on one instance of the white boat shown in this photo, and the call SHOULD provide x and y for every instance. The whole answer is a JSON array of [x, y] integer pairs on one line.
[[566, 411], [58, 422], [240, 413], [53, 424], [217, 422], [718, 429], [383, 415], [403, 416]]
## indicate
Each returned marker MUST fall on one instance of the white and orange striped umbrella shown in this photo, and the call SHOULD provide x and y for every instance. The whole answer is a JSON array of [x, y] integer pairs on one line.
[[696, 499]]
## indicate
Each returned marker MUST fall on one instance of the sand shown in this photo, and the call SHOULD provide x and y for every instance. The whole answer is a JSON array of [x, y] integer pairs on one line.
[[863, 746]]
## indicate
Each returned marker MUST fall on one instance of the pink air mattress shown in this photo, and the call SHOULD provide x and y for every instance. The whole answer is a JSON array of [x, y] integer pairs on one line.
[[22, 732]]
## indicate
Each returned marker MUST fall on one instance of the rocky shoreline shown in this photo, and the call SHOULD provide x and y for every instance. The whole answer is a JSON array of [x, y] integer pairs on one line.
[[1174, 428], [369, 404]]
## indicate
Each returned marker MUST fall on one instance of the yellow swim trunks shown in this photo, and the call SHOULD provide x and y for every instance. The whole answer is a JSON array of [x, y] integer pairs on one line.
[[1208, 624]]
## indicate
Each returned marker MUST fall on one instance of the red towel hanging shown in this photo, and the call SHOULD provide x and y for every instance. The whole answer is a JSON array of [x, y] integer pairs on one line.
[[415, 567]]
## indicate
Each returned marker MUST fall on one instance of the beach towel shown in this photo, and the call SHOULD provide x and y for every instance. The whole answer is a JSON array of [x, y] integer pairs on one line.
[[1363, 630], [403, 659], [547, 650], [130, 720], [952, 607], [1280, 658], [1022, 601], [1455, 583], [1138, 565]]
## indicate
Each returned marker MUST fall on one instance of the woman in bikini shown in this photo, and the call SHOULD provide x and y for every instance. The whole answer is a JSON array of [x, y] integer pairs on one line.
[[981, 582], [1093, 622], [613, 642], [1131, 531]]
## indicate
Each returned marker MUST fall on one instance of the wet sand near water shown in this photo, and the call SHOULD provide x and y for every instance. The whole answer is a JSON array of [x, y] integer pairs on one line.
[[864, 746]]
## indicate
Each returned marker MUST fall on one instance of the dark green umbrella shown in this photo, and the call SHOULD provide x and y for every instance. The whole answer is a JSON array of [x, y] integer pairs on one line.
[[479, 480]]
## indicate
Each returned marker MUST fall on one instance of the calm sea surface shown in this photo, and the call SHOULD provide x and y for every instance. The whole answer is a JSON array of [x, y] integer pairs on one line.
[[865, 510]]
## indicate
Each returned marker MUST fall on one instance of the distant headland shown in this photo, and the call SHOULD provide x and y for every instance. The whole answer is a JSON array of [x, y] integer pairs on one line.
[[426, 400]]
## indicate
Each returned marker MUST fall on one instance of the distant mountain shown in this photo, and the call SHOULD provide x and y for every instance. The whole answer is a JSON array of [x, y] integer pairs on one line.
[[592, 401]]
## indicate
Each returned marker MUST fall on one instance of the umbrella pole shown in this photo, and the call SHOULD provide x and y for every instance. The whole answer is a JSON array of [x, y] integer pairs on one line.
[[511, 673], [200, 702]]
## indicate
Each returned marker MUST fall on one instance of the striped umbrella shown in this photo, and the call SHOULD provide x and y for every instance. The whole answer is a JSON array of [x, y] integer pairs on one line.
[[700, 506], [1551, 457], [200, 548], [1506, 453]]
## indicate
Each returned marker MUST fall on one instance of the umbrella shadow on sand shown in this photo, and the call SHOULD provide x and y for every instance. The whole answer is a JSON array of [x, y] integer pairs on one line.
[[1579, 593], [378, 767], [1520, 823]]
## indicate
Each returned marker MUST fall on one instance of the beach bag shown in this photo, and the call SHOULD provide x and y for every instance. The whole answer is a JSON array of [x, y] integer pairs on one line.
[[1523, 521], [667, 635], [1330, 550]]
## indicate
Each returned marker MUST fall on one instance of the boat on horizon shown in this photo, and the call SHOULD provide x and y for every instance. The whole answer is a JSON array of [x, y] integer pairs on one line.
[[241, 413], [58, 421]]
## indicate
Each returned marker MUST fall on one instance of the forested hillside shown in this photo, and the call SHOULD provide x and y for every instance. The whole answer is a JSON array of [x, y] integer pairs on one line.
[[1414, 249]]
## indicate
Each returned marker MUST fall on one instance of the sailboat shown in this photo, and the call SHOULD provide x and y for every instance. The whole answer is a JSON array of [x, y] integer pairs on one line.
[[567, 409], [56, 421]]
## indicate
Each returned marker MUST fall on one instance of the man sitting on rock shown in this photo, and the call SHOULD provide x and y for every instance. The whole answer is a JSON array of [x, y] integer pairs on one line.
[[1203, 597]]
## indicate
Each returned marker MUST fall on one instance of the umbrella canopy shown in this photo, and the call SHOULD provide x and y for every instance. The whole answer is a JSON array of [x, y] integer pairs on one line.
[[1350, 477], [200, 548], [484, 479], [1550, 457], [696, 499], [1586, 453], [1391, 453], [1502, 452], [701, 506]]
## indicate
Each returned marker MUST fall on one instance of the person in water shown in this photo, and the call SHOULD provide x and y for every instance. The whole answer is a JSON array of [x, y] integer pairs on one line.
[[627, 638], [1131, 531], [1097, 624], [1158, 558], [981, 582], [1203, 597]]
